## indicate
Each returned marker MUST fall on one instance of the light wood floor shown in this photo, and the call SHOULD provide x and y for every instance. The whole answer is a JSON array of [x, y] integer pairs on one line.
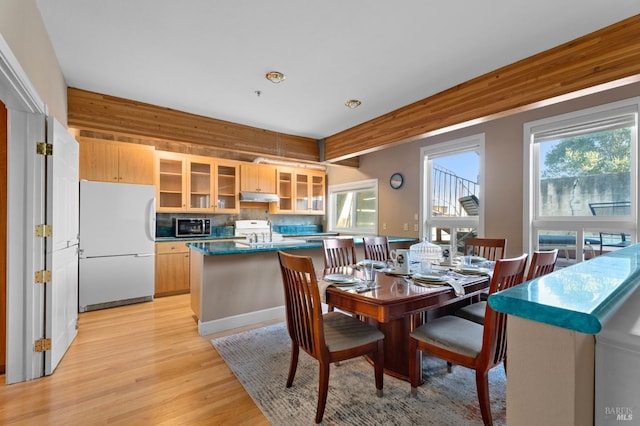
[[136, 365]]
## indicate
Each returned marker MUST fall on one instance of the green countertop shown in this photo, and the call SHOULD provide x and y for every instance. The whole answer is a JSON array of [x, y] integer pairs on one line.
[[581, 297], [234, 247]]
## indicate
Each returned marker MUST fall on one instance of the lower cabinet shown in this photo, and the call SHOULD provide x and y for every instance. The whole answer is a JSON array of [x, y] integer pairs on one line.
[[172, 268]]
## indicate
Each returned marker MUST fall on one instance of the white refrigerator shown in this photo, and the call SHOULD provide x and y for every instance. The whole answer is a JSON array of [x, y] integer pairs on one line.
[[117, 244]]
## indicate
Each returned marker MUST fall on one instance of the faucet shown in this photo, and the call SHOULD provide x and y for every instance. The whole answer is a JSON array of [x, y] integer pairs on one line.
[[270, 230]]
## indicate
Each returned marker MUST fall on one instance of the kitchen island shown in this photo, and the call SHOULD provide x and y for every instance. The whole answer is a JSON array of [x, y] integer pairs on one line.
[[234, 284]]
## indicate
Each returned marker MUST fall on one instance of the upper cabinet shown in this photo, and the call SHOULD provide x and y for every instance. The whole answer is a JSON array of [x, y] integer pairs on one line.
[[192, 183], [301, 191], [255, 177], [119, 162], [171, 183]]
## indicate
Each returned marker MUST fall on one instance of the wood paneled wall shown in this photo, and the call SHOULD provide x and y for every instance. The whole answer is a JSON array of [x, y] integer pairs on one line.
[[105, 114], [607, 55]]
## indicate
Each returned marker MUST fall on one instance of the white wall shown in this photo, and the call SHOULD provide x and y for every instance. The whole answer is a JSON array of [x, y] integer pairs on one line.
[[503, 175], [22, 28]]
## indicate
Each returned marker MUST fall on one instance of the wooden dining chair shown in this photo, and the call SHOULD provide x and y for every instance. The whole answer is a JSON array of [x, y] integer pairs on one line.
[[489, 248], [329, 337], [465, 343], [542, 263], [376, 248], [339, 252]]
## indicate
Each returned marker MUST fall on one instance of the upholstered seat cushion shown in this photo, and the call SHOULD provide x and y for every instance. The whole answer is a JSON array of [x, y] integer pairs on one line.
[[452, 333], [343, 332], [473, 312]]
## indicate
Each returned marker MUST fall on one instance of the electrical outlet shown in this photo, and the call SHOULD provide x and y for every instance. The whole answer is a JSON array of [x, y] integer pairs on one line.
[[406, 226], [415, 227], [384, 226]]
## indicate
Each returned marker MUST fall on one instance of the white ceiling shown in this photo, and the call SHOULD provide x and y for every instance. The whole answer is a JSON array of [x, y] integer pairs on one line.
[[209, 57]]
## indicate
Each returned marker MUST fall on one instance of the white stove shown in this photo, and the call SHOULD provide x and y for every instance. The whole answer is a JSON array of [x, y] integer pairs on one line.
[[258, 231]]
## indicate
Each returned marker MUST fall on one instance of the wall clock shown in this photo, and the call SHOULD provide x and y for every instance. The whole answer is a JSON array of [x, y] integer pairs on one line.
[[396, 180]]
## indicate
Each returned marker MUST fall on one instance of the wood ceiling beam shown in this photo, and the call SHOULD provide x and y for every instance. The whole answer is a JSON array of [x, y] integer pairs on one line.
[[607, 55], [117, 118]]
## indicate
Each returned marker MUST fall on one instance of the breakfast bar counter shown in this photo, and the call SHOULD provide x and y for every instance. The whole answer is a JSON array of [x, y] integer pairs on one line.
[[555, 328], [234, 284]]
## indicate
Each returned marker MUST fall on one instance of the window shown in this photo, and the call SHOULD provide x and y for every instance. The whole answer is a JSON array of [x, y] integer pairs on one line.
[[582, 181], [353, 207], [451, 201]]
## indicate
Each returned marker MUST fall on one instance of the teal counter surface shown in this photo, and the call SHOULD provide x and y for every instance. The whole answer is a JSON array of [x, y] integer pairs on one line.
[[581, 297], [234, 247]]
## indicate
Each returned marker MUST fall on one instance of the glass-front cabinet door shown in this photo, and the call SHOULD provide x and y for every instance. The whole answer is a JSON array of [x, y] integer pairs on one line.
[[284, 177], [171, 184], [200, 184], [310, 192], [227, 187], [317, 193], [302, 192]]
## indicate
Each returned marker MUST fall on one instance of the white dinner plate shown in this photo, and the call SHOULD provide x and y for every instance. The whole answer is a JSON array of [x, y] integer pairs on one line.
[[429, 277], [376, 263], [340, 279]]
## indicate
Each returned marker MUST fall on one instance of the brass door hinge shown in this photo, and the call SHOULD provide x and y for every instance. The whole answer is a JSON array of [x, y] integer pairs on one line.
[[42, 345], [44, 231], [44, 148], [43, 276]]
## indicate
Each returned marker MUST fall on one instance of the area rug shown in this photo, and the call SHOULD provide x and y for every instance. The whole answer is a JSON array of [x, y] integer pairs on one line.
[[260, 360]]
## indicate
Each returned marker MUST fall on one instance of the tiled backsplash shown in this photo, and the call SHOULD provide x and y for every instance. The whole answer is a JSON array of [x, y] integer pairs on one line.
[[222, 224]]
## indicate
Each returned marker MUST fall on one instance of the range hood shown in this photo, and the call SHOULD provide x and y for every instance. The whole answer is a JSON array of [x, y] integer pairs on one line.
[[259, 197]]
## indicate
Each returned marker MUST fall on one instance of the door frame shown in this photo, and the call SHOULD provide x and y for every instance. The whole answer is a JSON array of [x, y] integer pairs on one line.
[[26, 114]]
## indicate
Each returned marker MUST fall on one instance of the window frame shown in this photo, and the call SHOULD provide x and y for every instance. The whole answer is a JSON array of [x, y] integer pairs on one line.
[[363, 185], [470, 143], [533, 222]]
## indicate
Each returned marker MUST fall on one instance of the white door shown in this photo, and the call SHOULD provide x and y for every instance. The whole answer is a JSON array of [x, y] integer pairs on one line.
[[62, 247]]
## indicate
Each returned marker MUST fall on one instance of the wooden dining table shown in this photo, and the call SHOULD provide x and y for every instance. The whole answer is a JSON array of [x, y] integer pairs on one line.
[[396, 306]]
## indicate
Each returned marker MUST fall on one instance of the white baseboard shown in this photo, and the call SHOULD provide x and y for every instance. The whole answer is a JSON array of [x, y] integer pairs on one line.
[[242, 320]]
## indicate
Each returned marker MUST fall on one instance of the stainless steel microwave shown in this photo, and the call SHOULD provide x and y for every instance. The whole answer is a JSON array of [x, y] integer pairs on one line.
[[192, 227]]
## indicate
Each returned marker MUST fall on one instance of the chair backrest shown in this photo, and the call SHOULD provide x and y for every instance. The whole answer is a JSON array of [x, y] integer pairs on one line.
[[376, 248], [339, 252], [507, 273], [542, 263], [303, 304], [489, 248]]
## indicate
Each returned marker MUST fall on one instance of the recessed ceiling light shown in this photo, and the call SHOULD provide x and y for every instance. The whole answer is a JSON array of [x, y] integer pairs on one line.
[[275, 77], [353, 103]]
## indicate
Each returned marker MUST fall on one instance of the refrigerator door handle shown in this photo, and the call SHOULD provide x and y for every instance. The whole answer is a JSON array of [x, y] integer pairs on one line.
[[143, 255], [151, 219]]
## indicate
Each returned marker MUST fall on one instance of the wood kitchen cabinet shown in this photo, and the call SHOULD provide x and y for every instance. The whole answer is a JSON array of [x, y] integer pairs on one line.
[[194, 183], [109, 161], [212, 185], [301, 191], [171, 182], [172, 268], [255, 177]]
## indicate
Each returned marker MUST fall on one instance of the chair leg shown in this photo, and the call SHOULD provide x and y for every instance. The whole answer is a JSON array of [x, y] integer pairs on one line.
[[323, 389], [482, 386], [449, 367], [378, 367], [415, 369], [293, 363]]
